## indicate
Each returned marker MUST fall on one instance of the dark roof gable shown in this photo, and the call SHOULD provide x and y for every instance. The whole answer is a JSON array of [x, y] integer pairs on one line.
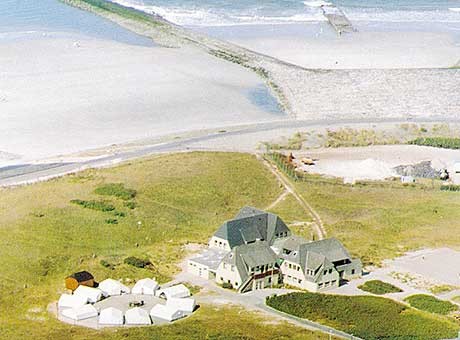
[[82, 276]]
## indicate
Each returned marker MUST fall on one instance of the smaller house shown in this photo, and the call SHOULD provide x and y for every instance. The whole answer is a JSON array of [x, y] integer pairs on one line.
[[111, 316], [183, 304], [80, 313], [111, 287], [71, 301], [137, 316], [177, 291], [166, 312], [83, 278], [407, 179], [145, 287], [92, 295]]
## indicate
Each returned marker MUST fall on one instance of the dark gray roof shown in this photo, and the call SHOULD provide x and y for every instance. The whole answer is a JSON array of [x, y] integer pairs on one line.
[[331, 248], [247, 256], [250, 225]]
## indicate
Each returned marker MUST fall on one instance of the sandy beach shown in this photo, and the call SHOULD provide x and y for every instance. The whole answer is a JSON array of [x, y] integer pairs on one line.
[[72, 93]]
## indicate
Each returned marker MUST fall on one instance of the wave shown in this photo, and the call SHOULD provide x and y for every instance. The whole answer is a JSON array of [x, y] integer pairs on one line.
[[454, 9], [317, 3], [442, 16]]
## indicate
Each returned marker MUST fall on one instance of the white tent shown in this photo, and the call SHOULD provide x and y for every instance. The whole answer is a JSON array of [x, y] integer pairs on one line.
[[168, 313], [111, 287], [111, 316], [92, 295], [80, 313], [183, 304], [71, 301], [145, 286], [178, 291], [137, 316]]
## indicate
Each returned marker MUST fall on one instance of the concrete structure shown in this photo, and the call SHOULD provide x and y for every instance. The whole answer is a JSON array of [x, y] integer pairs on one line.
[[145, 287], [110, 287], [177, 291], [111, 316], [256, 250], [166, 312], [337, 19], [92, 295], [80, 313], [183, 304], [137, 316]]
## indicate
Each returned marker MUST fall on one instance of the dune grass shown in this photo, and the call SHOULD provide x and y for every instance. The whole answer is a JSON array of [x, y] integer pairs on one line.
[[179, 199], [383, 220], [379, 287], [368, 317], [431, 304]]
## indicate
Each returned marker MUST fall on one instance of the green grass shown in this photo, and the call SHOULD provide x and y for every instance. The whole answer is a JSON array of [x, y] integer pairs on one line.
[[180, 198], [383, 220], [379, 287], [368, 317], [116, 189], [431, 304], [438, 142], [94, 205]]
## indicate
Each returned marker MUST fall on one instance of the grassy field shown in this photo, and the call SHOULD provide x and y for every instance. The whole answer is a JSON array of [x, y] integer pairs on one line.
[[379, 287], [431, 304], [368, 317], [177, 199], [383, 220]]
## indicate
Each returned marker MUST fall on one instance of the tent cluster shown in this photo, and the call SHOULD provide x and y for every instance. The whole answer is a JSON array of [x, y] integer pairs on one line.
[[79, 306]]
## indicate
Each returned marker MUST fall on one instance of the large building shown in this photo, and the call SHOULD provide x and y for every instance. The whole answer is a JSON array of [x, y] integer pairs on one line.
[[256, 250]]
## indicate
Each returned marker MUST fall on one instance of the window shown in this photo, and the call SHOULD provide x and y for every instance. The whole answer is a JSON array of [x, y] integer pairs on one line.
[[325, 272], [330, 271], [333, 282], [352, 272], [269, 280], [300, 281], [298, 268], [290, 266], [233, 268], [236, 284], [215, 242], [320, 286], [224, 266]]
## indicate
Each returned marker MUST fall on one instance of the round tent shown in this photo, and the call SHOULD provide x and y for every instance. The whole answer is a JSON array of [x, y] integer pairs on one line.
[[71, 301], [137, 316], [182, 304], [92, 295], [80, 313], [110, 287], [145, 286], [168, 313], [178, 291], [111, 316]]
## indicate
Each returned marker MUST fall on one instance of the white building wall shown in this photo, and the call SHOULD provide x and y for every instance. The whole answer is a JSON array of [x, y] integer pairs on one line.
[[219, 243], [228, 273], [294, 276], [198, 269]]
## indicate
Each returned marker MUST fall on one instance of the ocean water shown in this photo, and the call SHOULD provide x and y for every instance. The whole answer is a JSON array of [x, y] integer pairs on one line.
[[34, 18], [244, 12]]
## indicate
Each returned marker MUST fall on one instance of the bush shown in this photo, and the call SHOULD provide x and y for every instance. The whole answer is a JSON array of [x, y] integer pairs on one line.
[[111, 221], [117, 190], [379, 287], [227, 285], [438, 142], [137, 262], [431, 304], [368, 317], [106, 264], [119, 214], [131, 205], [94, 205], [450, 187]]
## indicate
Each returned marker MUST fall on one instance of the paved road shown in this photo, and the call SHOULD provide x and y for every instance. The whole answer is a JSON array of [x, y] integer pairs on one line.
[[35, 174]]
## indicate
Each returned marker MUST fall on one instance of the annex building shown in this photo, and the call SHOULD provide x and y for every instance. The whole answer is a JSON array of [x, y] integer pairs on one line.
[[257, 250]]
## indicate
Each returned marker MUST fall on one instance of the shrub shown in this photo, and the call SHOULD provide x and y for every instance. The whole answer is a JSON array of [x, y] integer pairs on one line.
[[131, 205], [431, 304], [106, 264], [379, 287], [137, 262], [227, 285], [117, 190], [119, 214], [94, 205], [111, 221], [438, 142], [368, 317], [450, 187]]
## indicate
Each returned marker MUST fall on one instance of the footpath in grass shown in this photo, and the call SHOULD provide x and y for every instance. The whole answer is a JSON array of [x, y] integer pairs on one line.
[[431, 304], [379, 287], [368, 317]]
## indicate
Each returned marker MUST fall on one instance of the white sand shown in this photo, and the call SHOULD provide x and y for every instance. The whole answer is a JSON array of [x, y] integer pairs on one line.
[[375, 162], [360, 50], [64, 95]]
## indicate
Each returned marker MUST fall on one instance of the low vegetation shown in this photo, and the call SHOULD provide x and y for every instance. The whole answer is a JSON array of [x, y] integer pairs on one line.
[[117, 190], [368, 317], [379, 287], [431, 304], [450, 187], [137, 262], [94, 205], [438, 142], [348, 137]]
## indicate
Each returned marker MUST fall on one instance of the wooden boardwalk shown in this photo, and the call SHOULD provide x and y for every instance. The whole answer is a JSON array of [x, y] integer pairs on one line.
[[337, 19]]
